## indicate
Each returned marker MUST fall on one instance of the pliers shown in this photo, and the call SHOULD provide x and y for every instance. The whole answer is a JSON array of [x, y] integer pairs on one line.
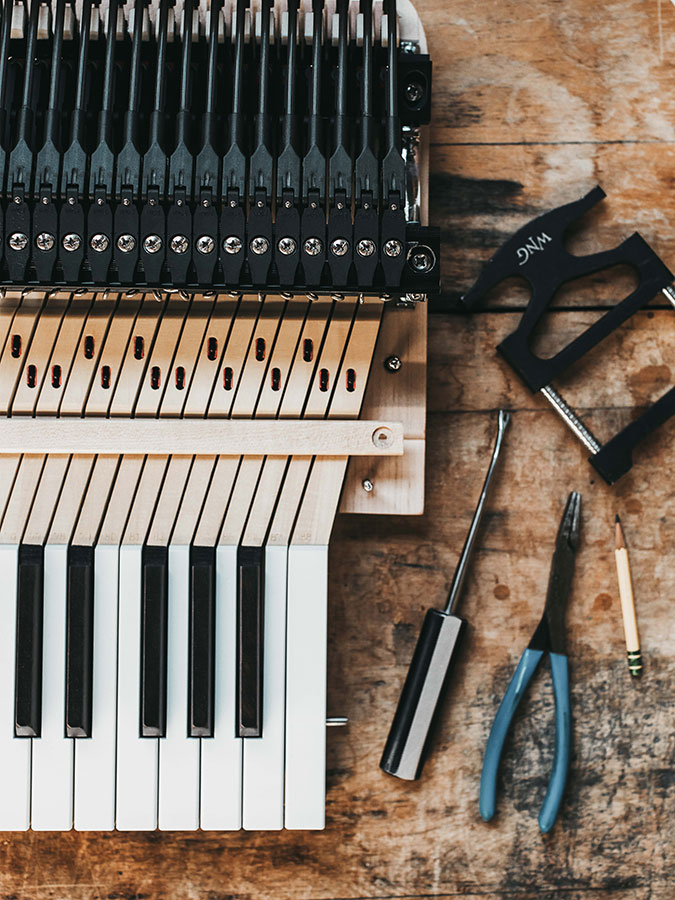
[[549, 637]]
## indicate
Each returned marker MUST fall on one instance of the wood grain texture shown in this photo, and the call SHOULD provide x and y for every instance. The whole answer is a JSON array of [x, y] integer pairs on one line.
[[534, 104]]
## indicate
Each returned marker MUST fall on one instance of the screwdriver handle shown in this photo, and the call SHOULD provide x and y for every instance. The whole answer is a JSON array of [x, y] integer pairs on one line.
[[439, 638]]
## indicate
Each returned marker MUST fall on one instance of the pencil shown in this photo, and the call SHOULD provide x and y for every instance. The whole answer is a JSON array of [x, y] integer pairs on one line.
[[630, 628]]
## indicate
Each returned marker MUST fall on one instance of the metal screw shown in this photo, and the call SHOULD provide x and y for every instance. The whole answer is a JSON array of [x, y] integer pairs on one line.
[[421, 258], [367, 485], [313, 246], [393, 248], [71, 242], [339, 246], [45, 241], [393, 363], [383, 437], [100, 242], [232, 244], [18, 241], [414, 298], [152, 243], [180, 243], [365, 247], [126, 243], [259, 245], [286, 246], [413, 92], [206, 244]]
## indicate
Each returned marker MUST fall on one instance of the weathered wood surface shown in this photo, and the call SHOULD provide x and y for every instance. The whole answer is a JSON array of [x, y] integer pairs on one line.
[[534, 104]]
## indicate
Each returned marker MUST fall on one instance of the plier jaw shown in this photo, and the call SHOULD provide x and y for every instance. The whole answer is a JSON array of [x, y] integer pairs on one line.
[[548, 638]]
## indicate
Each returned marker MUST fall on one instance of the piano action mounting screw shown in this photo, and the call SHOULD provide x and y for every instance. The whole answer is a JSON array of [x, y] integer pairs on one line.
[[286, 246], [100, 242], [232, 244], [383, 437], [205, 244], [393, 248], [365, 247], [45, 241], [179, 243], [126, 243], [18, 240], [421, 258], [413, 92], [313, 246], [259, 245], [393, 364], [339, 246], [152, 243], [367, 485]]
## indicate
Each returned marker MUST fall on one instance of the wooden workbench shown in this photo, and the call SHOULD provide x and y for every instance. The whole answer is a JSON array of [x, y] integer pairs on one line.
[[534, 103]]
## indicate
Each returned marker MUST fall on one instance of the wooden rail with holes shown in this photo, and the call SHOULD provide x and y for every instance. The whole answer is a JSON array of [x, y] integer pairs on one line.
[[225, 437]]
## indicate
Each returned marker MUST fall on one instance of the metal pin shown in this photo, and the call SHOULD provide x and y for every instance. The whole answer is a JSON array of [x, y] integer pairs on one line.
[[336, 721], [572, 421], [669, 292]]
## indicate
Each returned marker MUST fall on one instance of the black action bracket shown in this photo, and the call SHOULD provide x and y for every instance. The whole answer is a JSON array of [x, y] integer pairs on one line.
[[537, 253]]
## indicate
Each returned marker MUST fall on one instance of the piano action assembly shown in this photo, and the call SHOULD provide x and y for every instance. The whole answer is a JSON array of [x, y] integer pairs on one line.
[[214, 261]]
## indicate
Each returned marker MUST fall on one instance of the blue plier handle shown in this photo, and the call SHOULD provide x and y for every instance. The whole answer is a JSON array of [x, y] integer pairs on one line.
[[548, 638]]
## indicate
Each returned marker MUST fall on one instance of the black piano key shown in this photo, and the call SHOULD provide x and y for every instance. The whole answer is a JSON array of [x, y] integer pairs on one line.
[[154, 601], [250, 606], [79, 641], [29, 609], [201, 674]]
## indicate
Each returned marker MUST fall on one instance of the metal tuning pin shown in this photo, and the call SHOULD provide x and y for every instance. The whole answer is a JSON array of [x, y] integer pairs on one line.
[[537, 253], [407, 743]]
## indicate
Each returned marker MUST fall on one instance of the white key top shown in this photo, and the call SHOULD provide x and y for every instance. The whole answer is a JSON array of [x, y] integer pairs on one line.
[[178, 753], [52, 775], [95, 756], [220, 802], [15, 753], [306, 687], [137, 757], [263, 785]]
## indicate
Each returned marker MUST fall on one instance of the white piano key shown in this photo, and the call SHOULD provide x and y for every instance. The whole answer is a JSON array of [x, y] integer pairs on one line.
[[221, 755], [305, 794], [95, 756], [52, 769], [15, 753], [263, 775], [137, 757], [178, 753]]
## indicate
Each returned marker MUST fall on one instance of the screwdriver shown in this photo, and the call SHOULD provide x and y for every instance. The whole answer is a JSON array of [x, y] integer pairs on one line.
[[404, 752]]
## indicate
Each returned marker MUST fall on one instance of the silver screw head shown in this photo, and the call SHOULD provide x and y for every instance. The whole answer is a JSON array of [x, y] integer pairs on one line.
[[287, 246], [180, 243], [313, 246], [205, 244], [126, 243], [413, 92], [71, 242], [393, 363], [18, 240], [259, 245], [100, 242], [152, 243], [339, 246], [45, 241], [365, 247], [232, 244], [421, 258], [393, 248], [367, 485]]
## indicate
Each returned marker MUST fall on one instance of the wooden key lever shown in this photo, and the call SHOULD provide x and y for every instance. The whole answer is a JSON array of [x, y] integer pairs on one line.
[[537, 253]]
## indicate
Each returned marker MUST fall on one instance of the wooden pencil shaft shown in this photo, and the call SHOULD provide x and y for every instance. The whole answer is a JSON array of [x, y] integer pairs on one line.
[[627, 601]]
